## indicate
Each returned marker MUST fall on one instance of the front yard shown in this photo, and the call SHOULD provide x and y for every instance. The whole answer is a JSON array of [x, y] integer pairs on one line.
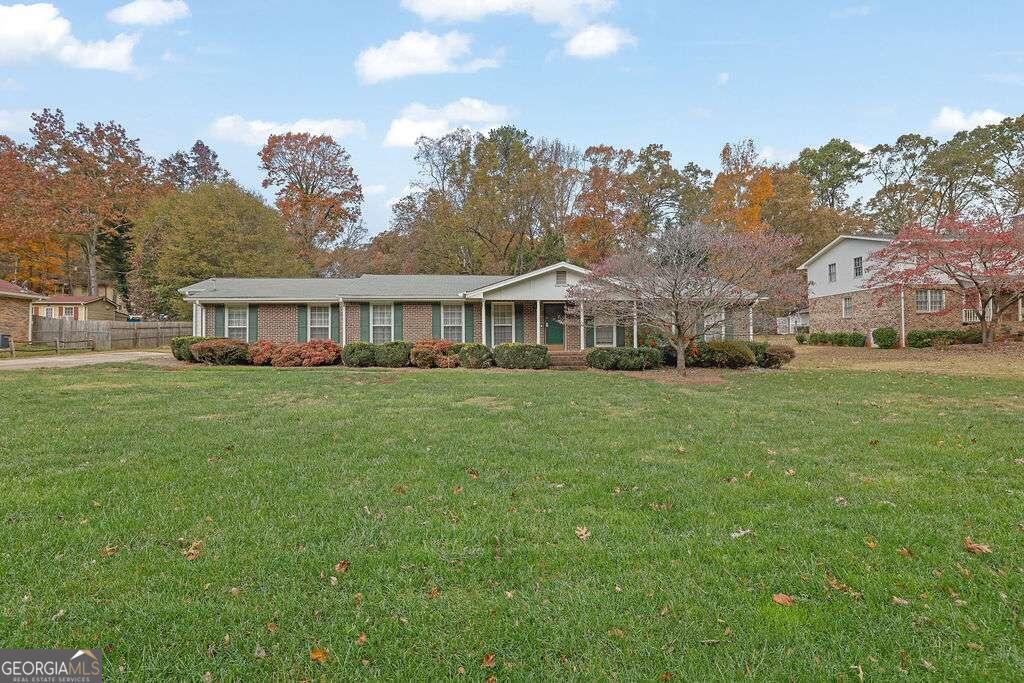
[[256, 523]]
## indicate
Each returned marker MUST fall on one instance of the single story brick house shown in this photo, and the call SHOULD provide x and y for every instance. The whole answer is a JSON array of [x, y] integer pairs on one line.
[[841, 300], [16, 311], [490, 309], [78, 307]]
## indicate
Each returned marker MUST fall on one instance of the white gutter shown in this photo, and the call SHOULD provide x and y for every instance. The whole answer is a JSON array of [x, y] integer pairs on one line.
[[903, 318], [344, 322]]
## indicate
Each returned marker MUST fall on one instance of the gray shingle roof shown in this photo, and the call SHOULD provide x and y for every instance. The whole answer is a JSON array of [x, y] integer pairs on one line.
[[398, 287]]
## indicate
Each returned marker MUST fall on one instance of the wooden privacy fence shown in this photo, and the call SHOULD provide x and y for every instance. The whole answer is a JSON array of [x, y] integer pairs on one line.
[[103, 335]]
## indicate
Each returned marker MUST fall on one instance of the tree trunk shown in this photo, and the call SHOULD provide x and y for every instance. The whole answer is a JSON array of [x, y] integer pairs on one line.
[[89, 247], [680, 357], [987, 331]]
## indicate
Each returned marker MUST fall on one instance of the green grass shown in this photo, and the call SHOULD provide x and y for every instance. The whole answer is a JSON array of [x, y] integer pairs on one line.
[[283, 474]]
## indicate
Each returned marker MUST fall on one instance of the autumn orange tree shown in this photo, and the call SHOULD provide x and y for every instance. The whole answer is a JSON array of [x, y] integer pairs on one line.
[[741, 188], [318, 192]]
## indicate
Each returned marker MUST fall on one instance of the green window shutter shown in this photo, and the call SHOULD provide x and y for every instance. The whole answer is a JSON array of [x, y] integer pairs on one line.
[[589, 341], [467, 318], [435, 321], [620, 335], [335, 323], [302, 328], [518, 308], [254, 322], [218, 320], [487, 328], [398, 323], [364, 322]]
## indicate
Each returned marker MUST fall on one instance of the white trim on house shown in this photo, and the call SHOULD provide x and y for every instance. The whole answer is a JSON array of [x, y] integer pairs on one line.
[[604, 323], [461, 305], [561, 265], [837, 240], [344, 320], [512, 306], [227, 321], [391, 321], [309, 322]]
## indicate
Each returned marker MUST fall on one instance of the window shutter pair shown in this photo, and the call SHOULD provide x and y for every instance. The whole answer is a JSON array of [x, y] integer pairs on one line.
[[398, 323], [335, 323], [519, 322], [435, 321], [254, 322], [364, 322], [467, 318], [218, 320], [302, 316]]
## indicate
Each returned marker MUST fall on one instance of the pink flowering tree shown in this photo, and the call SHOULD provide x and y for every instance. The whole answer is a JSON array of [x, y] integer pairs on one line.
[[983, 259], [678, 279]]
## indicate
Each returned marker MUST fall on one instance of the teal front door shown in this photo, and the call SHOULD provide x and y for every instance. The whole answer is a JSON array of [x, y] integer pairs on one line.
[[555, 331]]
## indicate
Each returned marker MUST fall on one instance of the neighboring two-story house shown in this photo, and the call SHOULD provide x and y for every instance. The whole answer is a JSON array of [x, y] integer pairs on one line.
[[841, 300]]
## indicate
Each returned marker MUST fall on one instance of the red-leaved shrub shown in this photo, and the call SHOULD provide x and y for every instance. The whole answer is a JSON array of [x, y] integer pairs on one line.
[[262, 352], [425, 353], [447, 361], [307, 354]]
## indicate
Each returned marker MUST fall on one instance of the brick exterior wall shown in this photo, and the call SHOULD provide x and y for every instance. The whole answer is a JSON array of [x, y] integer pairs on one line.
[[277, 323], [14, 318], [417, 321], [872, 309]]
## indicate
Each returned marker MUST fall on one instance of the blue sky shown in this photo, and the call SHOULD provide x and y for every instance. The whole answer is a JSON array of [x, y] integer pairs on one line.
[[689, 75]]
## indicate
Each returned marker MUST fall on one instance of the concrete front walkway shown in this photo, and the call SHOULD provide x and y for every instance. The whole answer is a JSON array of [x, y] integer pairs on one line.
[[75, 360]]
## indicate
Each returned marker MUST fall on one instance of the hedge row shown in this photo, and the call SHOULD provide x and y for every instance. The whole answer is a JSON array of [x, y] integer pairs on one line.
[[700, 354], [431, 353], [836, 338], [643, 358], [920, 339], [888, 338]]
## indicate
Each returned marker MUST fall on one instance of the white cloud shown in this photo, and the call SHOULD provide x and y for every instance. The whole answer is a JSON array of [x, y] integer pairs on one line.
[[860, 147], [149, 12], [235, 128], [15, 121], [852, 11], [776, 155], [561, 12], [952, 120], [29, 32], [374, 189], [598, 40], [403, 193], [420, 52], [722, 78], [9, 84], [417, 120]]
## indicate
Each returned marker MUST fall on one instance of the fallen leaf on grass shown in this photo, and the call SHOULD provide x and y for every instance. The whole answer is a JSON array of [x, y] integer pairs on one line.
[[473, 473], [434, 592], [582, 533], [259, 652], [107, 551], [905, 552], [783, 599], [928, 665], [871, 543], [318, 655], [456, 490], [193, 551], [342, 567], [361, 639], [616, 633], [740, 533], [272, 627], [976, 548], [665, 676], [488, 661], [400, 488], [790, 472], [235, 592], [899, 602]]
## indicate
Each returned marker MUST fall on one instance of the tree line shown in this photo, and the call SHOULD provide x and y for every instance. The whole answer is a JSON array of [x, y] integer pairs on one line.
[[84, 203]]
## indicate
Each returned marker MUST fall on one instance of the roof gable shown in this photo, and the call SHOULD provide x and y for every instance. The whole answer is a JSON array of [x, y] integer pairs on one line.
[[837, 240]]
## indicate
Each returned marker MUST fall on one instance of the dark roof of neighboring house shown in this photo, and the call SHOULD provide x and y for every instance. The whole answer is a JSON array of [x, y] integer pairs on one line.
[[67, 299], [9, 289], [408, 287]]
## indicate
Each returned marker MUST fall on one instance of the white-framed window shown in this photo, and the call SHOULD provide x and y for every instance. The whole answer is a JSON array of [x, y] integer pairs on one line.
[[451, 322], [930, 300], [858, 266], [67, 311], [381, 323], [847, 306], [604, 332], [48, 312], [831, 272], [560, 277], [319, 322], [236, 325], [503, 322]]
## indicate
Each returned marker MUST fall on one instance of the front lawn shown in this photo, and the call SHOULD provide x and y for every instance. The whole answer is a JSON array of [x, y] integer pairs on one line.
[[413, 525]]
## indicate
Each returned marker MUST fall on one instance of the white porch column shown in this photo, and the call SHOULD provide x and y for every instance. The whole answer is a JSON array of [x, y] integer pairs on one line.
[[344, 321], [635, 326], [583, 329], [202, 320], [750, 322], [483, 321], [538, 321]]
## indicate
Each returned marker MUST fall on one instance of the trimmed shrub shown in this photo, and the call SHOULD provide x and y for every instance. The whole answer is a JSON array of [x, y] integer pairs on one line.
[[668, 353], [885, 337], [359, 354], [801, 337], [447, 361], [220, 352], [642, 358], [518, 356], [758, 349], [920, 339], [697, 355], [393, 354], [729, 354], [837, 338], [307, 354], [262, 352], [181, 347], [475, 356], [424, 353], [775, 356], [455, 349]]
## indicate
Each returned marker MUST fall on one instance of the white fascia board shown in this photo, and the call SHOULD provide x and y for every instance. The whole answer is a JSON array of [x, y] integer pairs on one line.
[[837, 240], [561, 265]]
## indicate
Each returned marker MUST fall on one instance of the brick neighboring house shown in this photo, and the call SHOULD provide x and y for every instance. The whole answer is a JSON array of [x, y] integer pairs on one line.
[[78, 307], [490, 309], [840, 299], [16, 311]]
